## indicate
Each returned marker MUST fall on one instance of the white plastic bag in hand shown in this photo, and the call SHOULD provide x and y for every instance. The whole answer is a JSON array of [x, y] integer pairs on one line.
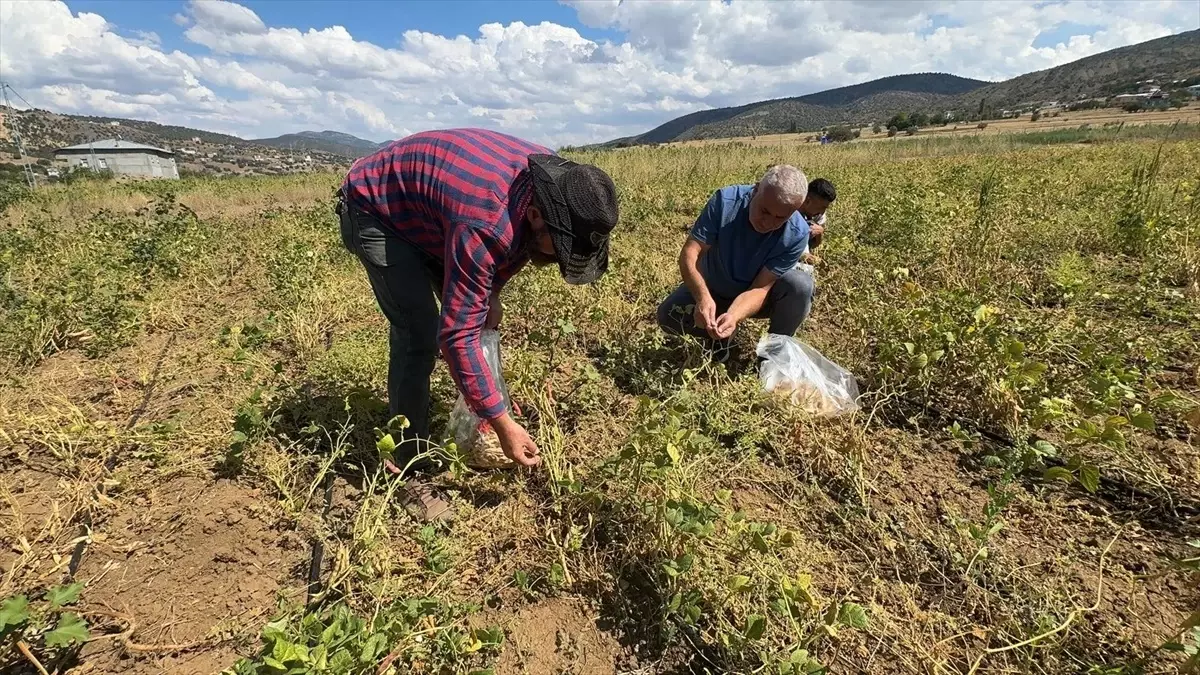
[[474, 436], [807, 378]]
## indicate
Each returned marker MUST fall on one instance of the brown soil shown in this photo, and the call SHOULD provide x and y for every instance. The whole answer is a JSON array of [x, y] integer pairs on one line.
[[190, 561], [558, 636]]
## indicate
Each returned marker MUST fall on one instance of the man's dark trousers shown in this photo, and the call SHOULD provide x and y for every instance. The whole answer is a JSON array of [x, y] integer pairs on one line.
[[406, 282]]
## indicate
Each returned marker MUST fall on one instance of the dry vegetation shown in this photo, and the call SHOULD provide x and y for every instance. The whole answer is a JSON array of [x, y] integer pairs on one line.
[[194, 372]]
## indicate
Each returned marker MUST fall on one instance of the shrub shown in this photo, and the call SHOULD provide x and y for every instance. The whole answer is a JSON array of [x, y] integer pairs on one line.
[[840, 134]]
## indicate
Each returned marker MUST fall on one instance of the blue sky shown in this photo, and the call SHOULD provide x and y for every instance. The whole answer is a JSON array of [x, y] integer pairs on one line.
[[564, 72], [378, 21]]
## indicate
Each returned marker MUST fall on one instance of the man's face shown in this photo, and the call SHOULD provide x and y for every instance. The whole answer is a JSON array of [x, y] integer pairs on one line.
[[541, 252], [768, 212], [813, 206]]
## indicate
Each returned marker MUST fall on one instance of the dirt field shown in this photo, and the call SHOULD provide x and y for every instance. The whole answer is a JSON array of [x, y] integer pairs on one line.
[[191, 367]]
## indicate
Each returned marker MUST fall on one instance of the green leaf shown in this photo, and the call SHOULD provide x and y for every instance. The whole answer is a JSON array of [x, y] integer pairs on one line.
[[738, 583], [910, 348], [937, 355], [673, 452], [1058, 473], [1143, 420], [759, 543], [1046, 448], [756, 625], [386, 445], [1089, 477], [1032, 370], [70, 629], [60, 596], [374, 647], [1016, 348], [13, 613], [852, 614]]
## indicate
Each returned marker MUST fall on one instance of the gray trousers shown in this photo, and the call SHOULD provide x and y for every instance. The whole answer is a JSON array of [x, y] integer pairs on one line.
[[406, 282], [787, 306]]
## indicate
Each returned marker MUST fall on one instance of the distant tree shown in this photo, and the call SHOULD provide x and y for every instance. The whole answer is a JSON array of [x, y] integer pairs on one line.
[[911, 131], [1037, 115], [858, 133], [1133, 106], [981, 125], [1179, 98], [891, 131], [876, 129], [794, 129], [899, 121], [918, 119], [840, 133]]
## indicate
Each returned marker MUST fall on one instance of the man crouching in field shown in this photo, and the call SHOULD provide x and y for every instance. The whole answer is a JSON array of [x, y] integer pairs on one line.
[[821, 195], [456, 213], [739, 261]]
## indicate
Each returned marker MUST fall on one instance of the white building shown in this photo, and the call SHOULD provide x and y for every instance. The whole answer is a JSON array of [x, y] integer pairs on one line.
[[120, 157]]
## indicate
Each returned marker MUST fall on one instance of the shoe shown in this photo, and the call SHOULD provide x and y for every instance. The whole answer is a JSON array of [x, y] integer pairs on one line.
[[425, 502]]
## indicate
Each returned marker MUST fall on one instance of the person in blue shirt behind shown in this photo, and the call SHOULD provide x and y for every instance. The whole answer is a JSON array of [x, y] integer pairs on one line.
[[740, 262]]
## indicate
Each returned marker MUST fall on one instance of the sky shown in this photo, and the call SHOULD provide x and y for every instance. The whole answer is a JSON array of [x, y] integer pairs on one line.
[[557, 73]]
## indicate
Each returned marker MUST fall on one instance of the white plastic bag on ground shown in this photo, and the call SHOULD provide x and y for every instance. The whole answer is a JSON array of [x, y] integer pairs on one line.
[[811, 381], [474, 436]]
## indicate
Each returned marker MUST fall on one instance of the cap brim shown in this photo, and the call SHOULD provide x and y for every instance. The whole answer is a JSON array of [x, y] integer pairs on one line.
[[579, 267]]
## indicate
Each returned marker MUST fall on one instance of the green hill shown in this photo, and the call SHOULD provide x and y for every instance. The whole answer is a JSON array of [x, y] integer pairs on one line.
[[1176, 57]]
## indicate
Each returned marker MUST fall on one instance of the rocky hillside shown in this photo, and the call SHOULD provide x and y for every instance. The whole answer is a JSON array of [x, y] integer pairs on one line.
[[1176, 57], [196, 151], [332, 142]]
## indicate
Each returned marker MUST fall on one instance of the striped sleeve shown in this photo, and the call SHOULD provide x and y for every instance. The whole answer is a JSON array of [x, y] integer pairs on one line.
[[471, 257]]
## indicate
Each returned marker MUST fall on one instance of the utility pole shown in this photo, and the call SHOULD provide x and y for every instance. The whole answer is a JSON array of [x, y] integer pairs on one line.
[[26, 169]]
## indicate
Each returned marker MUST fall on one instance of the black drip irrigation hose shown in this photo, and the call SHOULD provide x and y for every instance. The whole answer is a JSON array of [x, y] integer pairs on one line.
[[318, 547]]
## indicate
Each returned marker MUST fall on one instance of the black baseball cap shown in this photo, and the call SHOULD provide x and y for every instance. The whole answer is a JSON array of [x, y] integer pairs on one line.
[[579, 204]]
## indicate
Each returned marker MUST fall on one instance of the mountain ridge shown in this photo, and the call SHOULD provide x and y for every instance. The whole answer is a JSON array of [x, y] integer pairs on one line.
[[333, 142], [1099, 75]]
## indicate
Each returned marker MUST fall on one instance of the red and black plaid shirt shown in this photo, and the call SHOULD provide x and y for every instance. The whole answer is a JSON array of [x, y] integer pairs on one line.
[[460, 196]]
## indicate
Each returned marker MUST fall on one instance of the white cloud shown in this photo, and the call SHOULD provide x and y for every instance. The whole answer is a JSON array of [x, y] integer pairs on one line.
[[547, 82]]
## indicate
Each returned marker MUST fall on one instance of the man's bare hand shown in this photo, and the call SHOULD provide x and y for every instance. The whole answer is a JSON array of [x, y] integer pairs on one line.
[[811, 259], [705, 316], [726, 324], [517, 444], [495, 313], [816, 230]]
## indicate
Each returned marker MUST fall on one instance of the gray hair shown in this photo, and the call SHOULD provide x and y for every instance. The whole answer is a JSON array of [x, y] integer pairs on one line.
[[789, 183]]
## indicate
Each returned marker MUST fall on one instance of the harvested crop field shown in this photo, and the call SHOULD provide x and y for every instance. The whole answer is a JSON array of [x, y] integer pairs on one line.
[[194, 370]]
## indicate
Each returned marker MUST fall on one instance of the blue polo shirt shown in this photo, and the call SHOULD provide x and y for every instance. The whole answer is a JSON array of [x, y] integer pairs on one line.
[[738, 252]]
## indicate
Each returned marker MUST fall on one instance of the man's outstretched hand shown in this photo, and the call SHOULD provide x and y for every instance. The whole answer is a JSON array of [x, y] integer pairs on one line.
[[517, 444]]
